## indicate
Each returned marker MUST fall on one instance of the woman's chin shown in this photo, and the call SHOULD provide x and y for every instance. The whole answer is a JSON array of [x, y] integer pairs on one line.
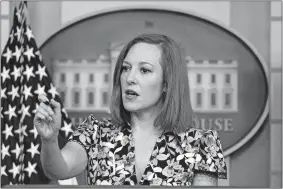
[[131, 107]]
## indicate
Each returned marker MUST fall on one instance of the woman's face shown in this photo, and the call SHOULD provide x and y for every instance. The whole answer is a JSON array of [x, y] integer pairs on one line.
[[141, 78]]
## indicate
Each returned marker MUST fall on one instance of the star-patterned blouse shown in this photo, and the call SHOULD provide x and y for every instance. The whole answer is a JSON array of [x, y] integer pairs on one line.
[[174, 159]]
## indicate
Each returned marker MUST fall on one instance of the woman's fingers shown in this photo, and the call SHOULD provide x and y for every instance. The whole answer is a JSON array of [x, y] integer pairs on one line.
[[40, 115], [51, 110], [45, 111], [47, 104], [43, 98], [47, 108], [56, 105]]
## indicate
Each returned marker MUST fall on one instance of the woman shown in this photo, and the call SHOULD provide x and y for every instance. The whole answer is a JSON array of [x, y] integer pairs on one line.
[[150, 140]]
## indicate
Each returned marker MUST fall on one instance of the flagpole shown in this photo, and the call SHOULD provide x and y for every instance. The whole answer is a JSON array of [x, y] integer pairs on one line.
[[22, 18]]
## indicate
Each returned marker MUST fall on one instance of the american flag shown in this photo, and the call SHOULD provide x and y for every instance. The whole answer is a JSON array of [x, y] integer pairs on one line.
[[23, 77]]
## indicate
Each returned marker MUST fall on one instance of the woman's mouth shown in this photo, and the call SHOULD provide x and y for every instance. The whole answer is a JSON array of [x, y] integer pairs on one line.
[[131, 94]]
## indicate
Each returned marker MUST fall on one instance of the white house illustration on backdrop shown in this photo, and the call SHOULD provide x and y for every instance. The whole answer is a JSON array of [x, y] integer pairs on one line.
[[85, 84]]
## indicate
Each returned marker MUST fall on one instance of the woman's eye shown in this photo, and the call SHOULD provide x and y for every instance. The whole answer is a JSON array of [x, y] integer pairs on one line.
[[144, 70], [125, 68]]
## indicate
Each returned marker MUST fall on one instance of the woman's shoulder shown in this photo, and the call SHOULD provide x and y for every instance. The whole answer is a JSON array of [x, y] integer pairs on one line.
[[207, 141], [199, 137], [93, 123], [200, 133]]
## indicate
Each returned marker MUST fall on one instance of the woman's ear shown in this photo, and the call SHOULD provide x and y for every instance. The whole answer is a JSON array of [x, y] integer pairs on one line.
[[164, 87]]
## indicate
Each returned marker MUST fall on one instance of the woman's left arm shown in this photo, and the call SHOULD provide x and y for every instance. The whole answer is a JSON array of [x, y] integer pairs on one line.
[[205, 179]]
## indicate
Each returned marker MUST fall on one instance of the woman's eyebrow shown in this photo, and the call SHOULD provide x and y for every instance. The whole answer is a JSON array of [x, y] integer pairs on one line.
[[126, 62], [142, 63]]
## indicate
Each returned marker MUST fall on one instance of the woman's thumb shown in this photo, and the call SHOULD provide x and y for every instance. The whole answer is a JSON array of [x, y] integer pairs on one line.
[[56, 105]]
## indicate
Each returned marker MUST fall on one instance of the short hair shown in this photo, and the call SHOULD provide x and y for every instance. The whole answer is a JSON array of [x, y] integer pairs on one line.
[[176, 111]]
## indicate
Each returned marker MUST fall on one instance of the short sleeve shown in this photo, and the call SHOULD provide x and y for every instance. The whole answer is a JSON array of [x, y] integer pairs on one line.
[[210, 154], [86, 133]]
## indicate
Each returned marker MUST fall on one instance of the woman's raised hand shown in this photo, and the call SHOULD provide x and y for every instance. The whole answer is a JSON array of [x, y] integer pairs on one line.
[[47, 119]]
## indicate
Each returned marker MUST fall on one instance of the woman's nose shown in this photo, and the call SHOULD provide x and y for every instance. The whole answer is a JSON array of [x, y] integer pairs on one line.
[[131, 78]]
